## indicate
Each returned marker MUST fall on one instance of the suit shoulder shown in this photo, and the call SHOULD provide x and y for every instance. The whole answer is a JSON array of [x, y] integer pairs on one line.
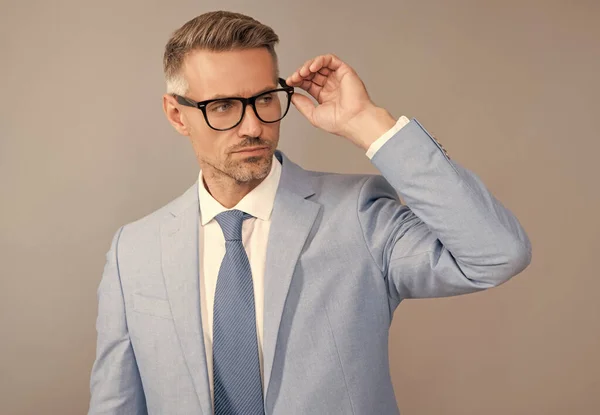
[[151, 221]]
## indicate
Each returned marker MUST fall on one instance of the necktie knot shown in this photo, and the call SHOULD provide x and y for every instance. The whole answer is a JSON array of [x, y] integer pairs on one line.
[[231, 223]]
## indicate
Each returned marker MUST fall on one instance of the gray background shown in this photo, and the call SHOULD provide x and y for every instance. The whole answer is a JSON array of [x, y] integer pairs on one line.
[[509, 87]]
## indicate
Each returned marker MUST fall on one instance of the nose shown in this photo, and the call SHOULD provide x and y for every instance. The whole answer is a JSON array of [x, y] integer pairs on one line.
[[250, 126]]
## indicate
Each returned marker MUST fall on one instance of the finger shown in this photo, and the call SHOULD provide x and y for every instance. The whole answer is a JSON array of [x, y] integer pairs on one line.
[[325, 71], [294, 79], [310, 76], [318, 78], [304, 105], [323, 64], [330, 61], [302, 71], [313, 89], [317, 63], [311, 86]]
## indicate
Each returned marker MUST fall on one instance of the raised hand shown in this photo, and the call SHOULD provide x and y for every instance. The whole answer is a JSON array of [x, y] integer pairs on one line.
[[344, 106]]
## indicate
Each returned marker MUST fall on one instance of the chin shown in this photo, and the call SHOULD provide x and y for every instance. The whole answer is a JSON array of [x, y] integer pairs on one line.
[[252, 168]]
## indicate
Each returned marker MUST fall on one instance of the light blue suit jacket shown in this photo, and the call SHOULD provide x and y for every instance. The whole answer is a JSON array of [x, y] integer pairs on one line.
[[342, 253]]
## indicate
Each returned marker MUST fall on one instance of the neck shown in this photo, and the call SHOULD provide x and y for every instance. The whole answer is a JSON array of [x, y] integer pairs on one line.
[[225, 190]]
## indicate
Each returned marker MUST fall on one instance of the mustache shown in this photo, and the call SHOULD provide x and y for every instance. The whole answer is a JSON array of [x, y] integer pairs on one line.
[[251, 142]]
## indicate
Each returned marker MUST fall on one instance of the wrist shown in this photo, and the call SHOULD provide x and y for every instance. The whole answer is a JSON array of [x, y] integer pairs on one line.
[[368, 125]]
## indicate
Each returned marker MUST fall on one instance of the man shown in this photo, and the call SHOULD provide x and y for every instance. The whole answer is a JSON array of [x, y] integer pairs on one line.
[[266, 288]]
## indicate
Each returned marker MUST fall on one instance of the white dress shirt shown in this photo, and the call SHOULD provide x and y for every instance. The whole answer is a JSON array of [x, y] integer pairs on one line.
[[255, 234]]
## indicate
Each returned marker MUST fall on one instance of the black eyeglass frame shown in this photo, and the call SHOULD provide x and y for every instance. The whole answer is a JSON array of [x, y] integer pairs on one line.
[[245, 101]]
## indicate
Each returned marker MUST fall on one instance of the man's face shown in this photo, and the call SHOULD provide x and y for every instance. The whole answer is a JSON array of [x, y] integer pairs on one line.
[[238, 73]]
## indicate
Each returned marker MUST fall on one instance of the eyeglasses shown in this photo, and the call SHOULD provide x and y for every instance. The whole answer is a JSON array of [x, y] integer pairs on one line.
[[223, 114]]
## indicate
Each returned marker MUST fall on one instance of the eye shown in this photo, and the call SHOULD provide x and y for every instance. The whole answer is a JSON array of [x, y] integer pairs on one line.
[[220, 106], [265, 99]]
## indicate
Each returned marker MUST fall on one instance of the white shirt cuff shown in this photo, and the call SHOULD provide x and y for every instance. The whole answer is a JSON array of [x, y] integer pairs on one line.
[[377, 144]]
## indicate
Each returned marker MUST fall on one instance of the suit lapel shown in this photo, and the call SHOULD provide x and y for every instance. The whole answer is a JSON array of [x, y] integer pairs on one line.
[[292, 219], [179, 239]]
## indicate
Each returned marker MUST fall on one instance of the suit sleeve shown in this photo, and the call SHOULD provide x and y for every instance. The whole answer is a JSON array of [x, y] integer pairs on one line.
[[115, 384], [451, 237]]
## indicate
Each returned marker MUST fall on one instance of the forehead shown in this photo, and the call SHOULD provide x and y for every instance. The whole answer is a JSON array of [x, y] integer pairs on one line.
[[231, 73]]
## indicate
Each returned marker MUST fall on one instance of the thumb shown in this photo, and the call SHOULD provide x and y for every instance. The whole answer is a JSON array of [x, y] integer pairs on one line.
[[304, 105]]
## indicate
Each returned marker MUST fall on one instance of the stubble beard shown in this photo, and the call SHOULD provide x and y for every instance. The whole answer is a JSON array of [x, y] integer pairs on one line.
[[248, 169]]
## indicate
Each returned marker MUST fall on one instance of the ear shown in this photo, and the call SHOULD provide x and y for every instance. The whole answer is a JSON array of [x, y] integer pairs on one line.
[[174, 114]]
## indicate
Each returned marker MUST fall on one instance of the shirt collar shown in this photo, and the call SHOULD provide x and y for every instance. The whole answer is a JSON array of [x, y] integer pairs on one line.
[[258, 203]]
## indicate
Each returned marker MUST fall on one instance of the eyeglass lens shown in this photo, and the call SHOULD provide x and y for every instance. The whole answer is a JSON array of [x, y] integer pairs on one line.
[[226, 113]]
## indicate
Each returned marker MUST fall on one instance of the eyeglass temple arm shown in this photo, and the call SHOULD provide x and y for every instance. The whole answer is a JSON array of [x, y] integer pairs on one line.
[[185, 101]]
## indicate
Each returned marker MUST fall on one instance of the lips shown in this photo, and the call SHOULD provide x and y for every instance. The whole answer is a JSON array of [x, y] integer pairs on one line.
[[253, 150]]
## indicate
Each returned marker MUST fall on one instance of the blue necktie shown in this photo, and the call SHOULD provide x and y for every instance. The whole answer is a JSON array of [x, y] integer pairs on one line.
[[236, 371]]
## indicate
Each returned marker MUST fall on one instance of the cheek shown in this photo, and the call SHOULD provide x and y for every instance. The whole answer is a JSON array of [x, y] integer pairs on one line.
[[196, 125], [205, 142], [213, 146], [271, 132]]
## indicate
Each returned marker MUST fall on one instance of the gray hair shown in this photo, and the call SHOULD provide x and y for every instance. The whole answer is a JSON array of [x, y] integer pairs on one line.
[[214, 31]]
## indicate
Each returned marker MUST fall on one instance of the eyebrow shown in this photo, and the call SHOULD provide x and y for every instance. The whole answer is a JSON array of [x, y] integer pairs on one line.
[[220, 96]]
